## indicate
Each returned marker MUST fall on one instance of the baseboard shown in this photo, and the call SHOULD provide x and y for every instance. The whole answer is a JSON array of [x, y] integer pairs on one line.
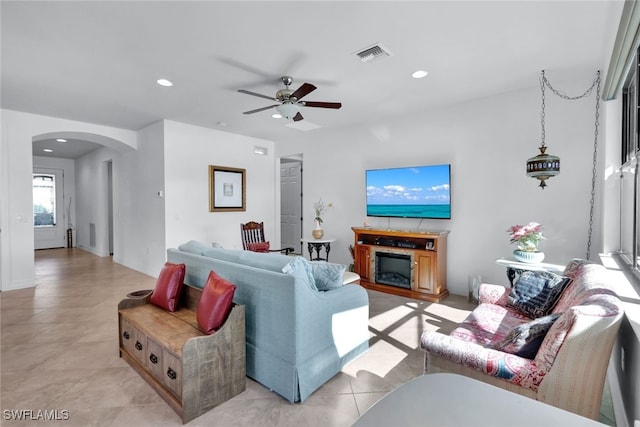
[[92, 250], [19, 284]]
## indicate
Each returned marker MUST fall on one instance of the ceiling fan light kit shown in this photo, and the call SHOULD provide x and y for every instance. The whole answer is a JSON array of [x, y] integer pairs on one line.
[[288, 110], [289, 101]]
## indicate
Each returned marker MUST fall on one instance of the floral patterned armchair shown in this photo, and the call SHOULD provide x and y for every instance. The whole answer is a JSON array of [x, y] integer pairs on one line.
[[569, 368]]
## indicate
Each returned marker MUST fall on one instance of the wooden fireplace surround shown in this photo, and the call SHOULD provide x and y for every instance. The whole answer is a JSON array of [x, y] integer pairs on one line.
[[428, 252]]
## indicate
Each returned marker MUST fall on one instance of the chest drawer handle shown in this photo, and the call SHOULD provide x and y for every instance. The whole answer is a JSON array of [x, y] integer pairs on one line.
[[126, 335], [138, 346], [153, 358], [171, 374]]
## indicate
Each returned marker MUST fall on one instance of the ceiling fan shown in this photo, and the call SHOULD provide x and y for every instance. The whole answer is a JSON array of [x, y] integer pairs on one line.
[[289, 101]]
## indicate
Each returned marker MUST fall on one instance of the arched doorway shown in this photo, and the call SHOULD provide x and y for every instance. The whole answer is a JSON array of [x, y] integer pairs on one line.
[[69, 220]]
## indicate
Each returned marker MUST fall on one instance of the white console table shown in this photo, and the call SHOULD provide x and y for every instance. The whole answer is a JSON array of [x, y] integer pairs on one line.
[[317, 245], [516, 267], [442, 400]]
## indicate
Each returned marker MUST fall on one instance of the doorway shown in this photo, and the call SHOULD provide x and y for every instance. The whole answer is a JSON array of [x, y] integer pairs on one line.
[[110, 205], [48, 208], [291, 203]]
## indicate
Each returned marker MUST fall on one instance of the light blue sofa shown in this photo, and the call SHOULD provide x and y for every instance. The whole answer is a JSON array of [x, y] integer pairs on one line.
[[297, 337]]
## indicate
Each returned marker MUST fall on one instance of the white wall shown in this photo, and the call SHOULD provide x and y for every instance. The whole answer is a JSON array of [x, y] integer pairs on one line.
[[189, 150], [17, 130], [142, 231], [139, 217], [91, 184], [487, 143]]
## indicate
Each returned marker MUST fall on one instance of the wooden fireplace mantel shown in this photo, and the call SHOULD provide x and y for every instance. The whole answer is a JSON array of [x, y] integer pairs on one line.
[[427, 251]]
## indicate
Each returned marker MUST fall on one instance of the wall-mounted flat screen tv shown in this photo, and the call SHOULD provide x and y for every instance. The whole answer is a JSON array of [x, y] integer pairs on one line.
[[410, 192]]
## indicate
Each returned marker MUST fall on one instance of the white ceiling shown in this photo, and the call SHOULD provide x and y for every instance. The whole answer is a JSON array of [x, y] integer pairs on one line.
[[67, 149], [98, 61]]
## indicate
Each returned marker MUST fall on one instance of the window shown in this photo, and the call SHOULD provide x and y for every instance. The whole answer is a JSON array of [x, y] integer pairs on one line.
[[44, 200], [630, 186]]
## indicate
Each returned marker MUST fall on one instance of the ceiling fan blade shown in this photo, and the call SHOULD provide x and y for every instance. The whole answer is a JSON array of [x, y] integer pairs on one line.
[[248, 92], [335, 105], [257, 110], [297, 117], [303, 90]]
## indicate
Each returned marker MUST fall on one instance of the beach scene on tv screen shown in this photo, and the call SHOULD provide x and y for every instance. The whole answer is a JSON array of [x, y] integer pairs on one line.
[[413, 192]]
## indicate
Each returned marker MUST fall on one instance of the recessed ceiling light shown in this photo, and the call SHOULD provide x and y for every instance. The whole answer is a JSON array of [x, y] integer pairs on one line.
[[61, 140], [164, 82], [419, 74], [48, 150], [276, 116]]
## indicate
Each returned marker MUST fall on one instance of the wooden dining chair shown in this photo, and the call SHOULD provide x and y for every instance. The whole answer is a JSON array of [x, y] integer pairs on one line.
[[253, 239]]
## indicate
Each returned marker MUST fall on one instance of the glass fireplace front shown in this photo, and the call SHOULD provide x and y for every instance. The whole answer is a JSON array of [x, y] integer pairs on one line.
[[393, 269]]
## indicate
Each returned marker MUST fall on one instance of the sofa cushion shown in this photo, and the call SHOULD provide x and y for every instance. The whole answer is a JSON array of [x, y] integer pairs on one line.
[[258, 247], [327, 275], [194, 247], [166, 294], [266, 261], [301, 269], [350, 277], [229, 255], [215, 303], [535, 293], [488, 323], [525, 339]]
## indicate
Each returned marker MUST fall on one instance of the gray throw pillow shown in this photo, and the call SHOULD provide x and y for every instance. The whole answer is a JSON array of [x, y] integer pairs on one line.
[[194, 247], [300, 268], [535, 293], [327, 275], [525, 339]]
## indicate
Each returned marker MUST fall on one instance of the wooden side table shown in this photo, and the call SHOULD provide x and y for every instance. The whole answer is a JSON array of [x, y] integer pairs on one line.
[[317, 245], [515, 268]]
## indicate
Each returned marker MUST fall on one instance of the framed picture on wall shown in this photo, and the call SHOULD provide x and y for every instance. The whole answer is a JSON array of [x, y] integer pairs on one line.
[[227, 188]]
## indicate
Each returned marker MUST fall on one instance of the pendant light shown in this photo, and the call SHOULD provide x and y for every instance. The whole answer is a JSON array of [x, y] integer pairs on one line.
[[543, 166]]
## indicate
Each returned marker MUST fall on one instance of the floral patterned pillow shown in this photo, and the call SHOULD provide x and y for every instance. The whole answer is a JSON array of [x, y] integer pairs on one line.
[[574, 266]]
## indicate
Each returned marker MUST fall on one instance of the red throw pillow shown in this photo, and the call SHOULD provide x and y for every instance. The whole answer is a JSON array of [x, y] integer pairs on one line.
[[168, 286], [259, 247], [215, 303]]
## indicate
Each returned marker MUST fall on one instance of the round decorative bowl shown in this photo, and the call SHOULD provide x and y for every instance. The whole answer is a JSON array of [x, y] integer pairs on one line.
[[140, 294], [528, 257]]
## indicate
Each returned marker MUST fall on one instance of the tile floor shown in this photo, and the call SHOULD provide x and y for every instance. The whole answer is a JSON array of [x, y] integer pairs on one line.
[[59, 351]]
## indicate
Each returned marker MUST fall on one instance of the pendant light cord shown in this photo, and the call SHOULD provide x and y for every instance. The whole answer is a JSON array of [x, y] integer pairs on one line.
[[595, 85], [593, 173]]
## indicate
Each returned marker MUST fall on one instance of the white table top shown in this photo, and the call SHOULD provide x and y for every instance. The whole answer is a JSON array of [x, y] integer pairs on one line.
[[312, 240], [542, 266], [442, 400]]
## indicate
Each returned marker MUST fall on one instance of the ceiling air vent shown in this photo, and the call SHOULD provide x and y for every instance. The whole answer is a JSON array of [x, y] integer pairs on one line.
[[373, 52]]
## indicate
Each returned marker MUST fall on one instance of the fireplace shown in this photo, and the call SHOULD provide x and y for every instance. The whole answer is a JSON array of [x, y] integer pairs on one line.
[[393, 269]]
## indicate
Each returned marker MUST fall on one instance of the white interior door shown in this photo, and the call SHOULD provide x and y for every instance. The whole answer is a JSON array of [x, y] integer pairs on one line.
[[48, 208], [291, 204]]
